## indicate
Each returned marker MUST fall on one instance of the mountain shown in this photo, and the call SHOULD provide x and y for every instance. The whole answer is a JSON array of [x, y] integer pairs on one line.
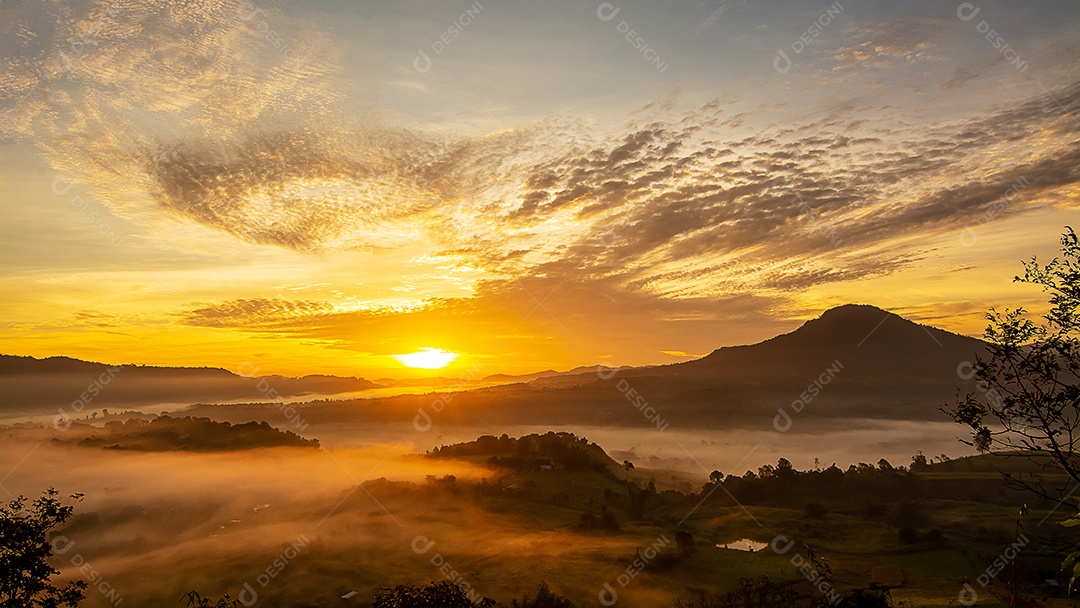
[[852, 362], [510, 378], [35, 386], [549, 377], [865, 339]]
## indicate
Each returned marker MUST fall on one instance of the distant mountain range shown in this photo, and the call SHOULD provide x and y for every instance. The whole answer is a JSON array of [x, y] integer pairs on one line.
[[35, 386], [854, 361]]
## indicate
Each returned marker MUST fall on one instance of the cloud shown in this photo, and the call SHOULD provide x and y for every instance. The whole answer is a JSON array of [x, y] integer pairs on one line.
[[258, 314], [193, 112], [884, 44]]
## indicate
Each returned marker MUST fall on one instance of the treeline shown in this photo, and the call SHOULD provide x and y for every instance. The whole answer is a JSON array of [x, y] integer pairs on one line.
[[783, 480], [555, 450], [189, 433]]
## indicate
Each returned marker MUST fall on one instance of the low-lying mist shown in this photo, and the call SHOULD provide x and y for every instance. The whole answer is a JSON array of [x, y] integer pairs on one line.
[[296, 525], [154, 525]]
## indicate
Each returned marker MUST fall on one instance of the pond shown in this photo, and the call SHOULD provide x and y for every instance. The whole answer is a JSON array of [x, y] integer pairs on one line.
[[743, 544]]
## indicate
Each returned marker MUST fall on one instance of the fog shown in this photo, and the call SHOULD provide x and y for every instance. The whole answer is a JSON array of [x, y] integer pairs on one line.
[[155, 525], [734, 451]]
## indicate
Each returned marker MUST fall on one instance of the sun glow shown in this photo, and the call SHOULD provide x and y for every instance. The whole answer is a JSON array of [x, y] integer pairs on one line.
[[427, 358]]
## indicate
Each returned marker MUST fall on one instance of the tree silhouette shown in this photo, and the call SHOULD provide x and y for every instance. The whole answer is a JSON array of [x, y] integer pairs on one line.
[[1029, 387], [25, 572], [1028, 398], [544, 598], [432, 595]]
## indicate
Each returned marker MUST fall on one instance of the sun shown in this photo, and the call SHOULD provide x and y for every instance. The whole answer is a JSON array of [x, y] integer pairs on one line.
[[427, 358]]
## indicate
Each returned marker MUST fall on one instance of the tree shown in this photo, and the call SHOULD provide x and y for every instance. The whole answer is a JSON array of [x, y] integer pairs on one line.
[[919, 463], [784, 469], [432, 595], [716, 477], [627, 466], [544, 598], [760, 592], [685, 541], [25, 572], [1028, 390], [194, 600], [1029, 401]]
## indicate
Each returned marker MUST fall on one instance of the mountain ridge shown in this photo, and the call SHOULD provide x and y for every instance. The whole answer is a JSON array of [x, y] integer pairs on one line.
[[887, 366]]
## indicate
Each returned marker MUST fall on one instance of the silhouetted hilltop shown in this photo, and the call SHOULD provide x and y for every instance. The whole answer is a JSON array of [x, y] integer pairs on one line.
[[866, 339], [851, 362], [32, 386], [555, 450], [196, 434]]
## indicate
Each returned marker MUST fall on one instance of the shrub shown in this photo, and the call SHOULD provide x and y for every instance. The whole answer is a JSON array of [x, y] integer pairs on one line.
[[544, 598], [433, 595], [25, 571]]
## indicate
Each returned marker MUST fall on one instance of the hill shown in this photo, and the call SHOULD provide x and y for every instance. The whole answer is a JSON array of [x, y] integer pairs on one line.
[[187, 433], [36, 386], [866, 339], [852, 362], [563, 451]]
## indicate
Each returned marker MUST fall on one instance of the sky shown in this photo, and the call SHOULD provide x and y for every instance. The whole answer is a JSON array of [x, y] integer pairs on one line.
[[314, 187]]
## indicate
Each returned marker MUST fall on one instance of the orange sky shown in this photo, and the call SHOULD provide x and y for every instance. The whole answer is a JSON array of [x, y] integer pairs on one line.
[[178, 195]]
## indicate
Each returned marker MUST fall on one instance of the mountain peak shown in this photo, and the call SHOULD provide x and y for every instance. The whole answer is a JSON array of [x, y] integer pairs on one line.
[[852, 318], [862, 336], [855, 310]]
